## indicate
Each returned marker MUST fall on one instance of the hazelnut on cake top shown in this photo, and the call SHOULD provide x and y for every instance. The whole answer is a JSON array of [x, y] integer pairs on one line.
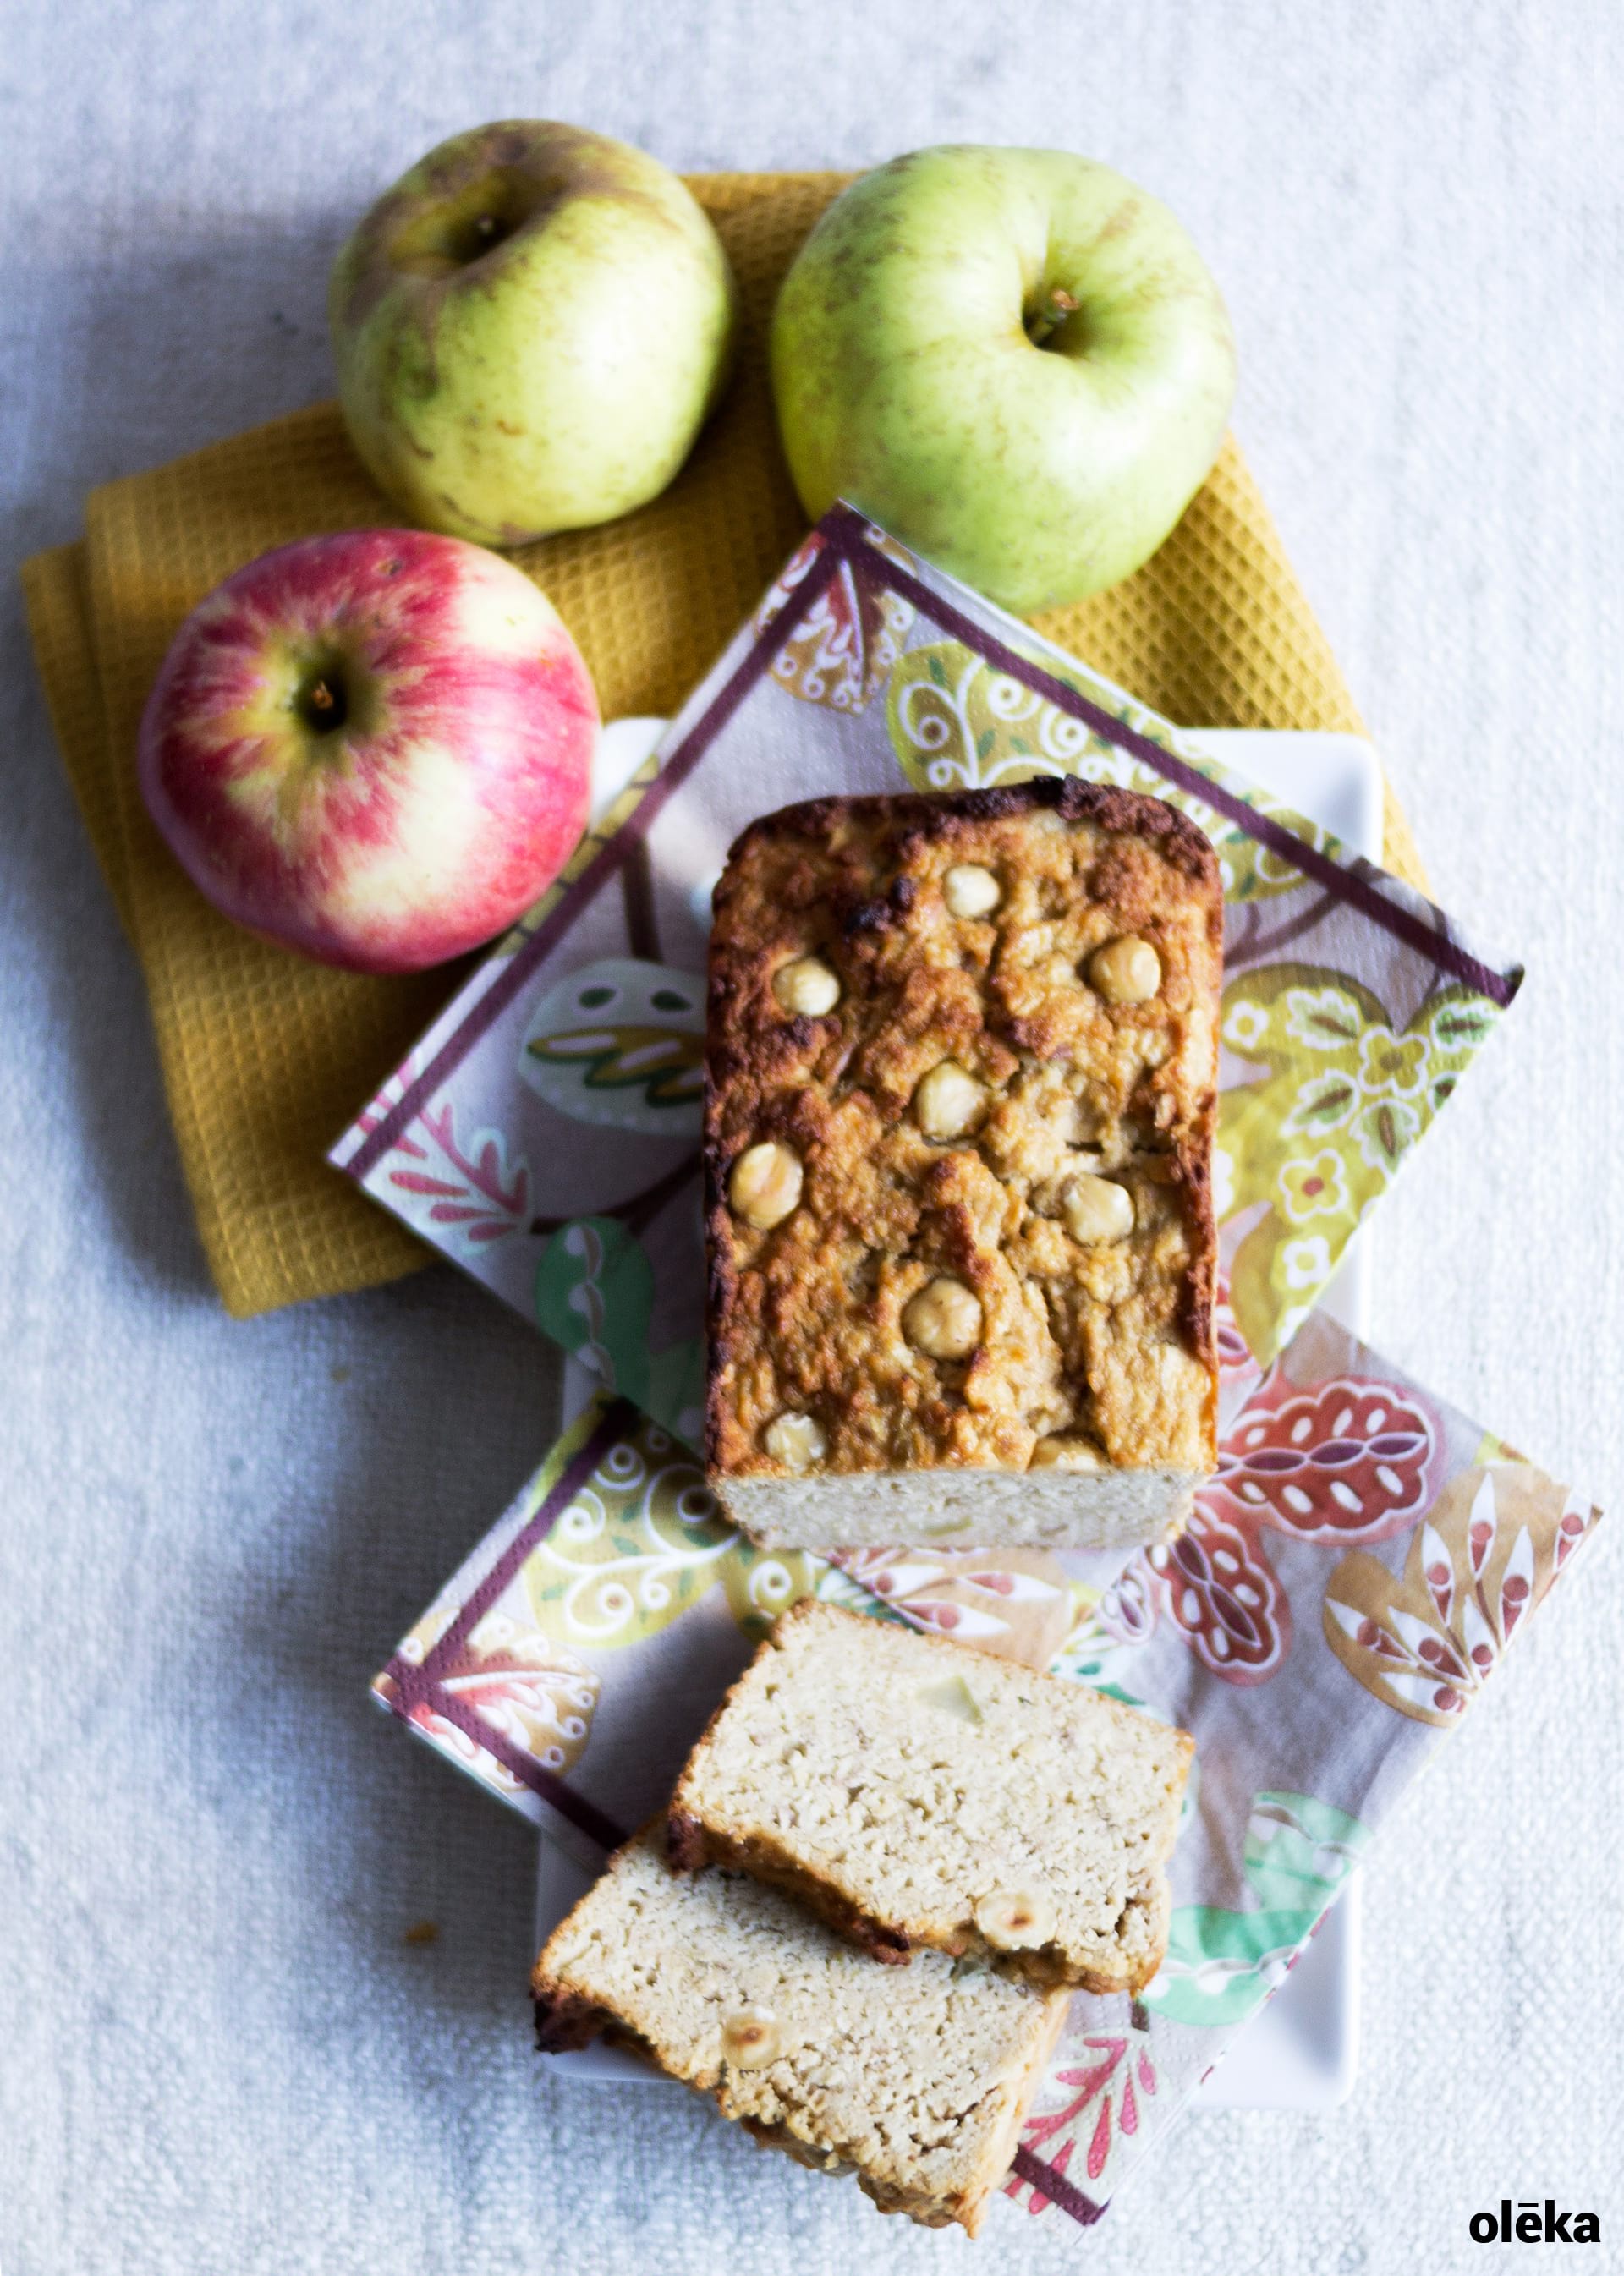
[[961, 1079]]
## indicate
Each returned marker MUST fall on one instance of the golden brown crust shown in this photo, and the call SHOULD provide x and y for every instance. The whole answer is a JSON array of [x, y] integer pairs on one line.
[[564, 2022], [766, 1860], [687, 1849], [966, 2206], [690, 1845], [1111, 1344]]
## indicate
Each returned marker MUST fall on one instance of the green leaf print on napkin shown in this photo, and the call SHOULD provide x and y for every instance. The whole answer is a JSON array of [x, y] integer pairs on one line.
[[641, 1543], [644, 1539], [594, 1295], [666, 1068], [957, 723], [1325, 1130], [1220, 1965]]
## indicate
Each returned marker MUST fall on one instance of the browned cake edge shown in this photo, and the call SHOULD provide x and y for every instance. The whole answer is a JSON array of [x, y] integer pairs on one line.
[[1128, 812], [968, 2206], [564, 2024], [692, 1845]]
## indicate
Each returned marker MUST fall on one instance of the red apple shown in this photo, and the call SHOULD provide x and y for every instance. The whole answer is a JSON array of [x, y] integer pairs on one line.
[[374, 747]]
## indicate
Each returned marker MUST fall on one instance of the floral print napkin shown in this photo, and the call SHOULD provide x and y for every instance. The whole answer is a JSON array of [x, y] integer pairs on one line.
[[545, 1132]]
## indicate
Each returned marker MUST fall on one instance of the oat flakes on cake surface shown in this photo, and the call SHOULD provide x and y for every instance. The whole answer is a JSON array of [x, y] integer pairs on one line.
[[917, 2079], [920, 1794], [962, 1087]]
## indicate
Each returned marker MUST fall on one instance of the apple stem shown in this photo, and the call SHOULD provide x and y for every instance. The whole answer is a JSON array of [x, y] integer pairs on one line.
[[1051, 314], [322, 704], [476, 237]]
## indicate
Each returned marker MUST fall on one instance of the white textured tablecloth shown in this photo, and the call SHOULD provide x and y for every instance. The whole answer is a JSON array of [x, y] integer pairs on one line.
[[216, 2050]]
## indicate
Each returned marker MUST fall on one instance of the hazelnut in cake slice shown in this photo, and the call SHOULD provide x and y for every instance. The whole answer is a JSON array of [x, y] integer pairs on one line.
[[920, 1794], [918, 2078], [962, 1085]]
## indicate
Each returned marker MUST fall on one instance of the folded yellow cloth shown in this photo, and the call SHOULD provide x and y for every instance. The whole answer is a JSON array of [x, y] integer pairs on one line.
[[266, 1057]]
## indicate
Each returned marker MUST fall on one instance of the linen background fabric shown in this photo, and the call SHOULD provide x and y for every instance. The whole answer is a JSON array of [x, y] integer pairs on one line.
[[219, 2051]]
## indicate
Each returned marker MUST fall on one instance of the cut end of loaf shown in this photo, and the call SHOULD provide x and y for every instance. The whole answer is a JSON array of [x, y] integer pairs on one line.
[[970, 1508]]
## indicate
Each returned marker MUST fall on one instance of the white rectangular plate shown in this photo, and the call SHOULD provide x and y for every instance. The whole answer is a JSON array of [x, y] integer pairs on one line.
[[1301, 2052]]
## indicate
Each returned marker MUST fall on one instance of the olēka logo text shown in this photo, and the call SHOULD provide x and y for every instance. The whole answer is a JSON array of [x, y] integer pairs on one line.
[[1534, 2224]]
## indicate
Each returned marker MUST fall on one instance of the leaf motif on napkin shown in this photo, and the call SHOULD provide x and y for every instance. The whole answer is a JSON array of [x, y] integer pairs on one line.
[[761, 1583], [594, 1294], [845, 646], [1222, 1963], [668, 1067], [639, 1542], [478, 1191], [1094, 2099], [531, 1691], [1317, 1141], [1346, 1460], [1014, 1601], [1425, 1644], [1221, 1593], [957, 723], [621, 1043]]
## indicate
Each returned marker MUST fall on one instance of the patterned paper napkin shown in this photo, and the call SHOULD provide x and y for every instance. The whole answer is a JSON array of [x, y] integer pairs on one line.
[[545, 1131], [1365, 1552]]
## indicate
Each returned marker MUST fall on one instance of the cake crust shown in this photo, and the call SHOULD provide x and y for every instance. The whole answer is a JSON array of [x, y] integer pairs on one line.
[[1099, 1351], [690, 1844]]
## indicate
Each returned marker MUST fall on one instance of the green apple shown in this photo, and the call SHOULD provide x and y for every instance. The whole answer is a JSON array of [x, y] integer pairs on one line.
[[529, 328], [1014, 359]]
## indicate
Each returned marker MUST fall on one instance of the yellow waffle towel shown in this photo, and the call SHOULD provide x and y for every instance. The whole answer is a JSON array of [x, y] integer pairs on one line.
[[266, 1057]]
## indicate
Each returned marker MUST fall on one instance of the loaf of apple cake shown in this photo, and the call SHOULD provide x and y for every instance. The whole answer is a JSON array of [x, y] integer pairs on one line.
[[961, 1065]]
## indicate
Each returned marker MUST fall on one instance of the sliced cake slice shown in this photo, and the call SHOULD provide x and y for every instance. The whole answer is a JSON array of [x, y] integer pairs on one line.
[[917, 2079], [915, 1793]]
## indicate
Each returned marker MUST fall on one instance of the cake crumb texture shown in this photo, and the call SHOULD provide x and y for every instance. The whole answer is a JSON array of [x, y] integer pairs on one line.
[[915, 2078], [917, 1794]]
